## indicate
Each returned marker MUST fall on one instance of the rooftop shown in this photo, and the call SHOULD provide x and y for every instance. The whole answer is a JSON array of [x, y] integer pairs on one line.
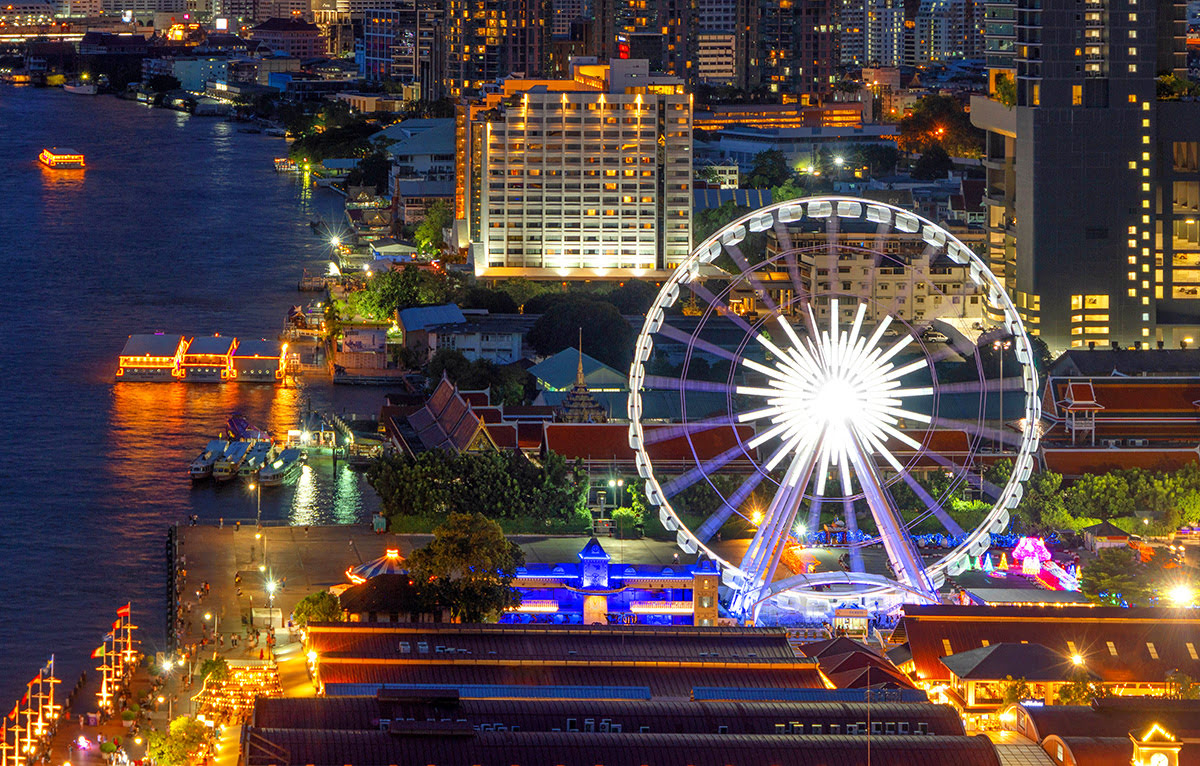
[[1033, 662], [558, 372], [157, 344], [211, 344]]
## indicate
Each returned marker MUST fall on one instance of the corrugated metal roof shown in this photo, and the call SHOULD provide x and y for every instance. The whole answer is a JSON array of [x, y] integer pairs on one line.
[[336, 748], [210, 344], [422, 317], [262, 347]]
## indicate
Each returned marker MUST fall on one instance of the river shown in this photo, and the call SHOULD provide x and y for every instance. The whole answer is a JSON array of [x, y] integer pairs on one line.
[[178, 224]]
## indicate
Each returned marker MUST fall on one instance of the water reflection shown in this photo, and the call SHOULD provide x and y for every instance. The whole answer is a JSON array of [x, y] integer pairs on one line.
[[304, 502], [62, 179]]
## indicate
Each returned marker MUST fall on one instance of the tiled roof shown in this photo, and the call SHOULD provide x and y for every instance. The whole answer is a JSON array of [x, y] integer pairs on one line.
[[1105, 362], [1146, 643], [1113, 714]]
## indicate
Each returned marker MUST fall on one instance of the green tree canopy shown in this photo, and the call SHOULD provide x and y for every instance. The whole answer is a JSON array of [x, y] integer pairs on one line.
[[933, 163], [428, 235], [770, 169], [509, 383], [606, 334], [180, 744], [1014, 690], [471, 565], [371, 171], [938, 120], [1116, 578], [321, 606], [215, 668]]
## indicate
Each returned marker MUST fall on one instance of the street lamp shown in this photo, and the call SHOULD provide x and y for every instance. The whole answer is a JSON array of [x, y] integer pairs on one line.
[[216, 621], [1077, 659], [256, 487], [1182, 595]]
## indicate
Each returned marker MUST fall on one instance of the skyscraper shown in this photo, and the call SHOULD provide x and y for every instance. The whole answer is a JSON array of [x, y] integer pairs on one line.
[[490, 39], [1093, 187], [793, 47], [404, 43]]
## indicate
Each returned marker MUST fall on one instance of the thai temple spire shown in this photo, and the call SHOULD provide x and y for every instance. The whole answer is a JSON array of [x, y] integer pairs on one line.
[[579, 405]]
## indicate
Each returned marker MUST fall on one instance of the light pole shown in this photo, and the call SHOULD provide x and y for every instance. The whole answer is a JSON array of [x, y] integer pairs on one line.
[[256, 487], [1001, 346], [215, 619]]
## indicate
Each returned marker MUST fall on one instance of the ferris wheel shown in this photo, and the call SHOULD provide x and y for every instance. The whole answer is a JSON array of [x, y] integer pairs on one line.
[[827, 347]]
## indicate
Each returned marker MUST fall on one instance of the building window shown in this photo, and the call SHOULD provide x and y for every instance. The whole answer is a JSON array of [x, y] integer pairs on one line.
[[1076, 95]]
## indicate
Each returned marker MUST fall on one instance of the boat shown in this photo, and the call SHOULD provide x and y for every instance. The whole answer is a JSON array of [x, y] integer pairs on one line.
[[202, 466], [284, 466], [61, 159], [258, 456], [230, 461], [82, 88], [277, 132]]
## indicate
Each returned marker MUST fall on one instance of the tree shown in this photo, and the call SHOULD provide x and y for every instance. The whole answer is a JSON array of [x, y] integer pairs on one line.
[[1171, 87], [321, 606], [627, 523], [1099, 496], [470, 564], [521, 290], [606, 334], [493, 301], [373, 171], [1014, 690], [1006, 90], [161, 83], [770, 169], [1080, 689], [940, 121], [789, 189], [1181, 686], [1115, 579], [215, 668], [708, 221], [180, 744], [429, 233], [934, 163], [507, 382], [633, 297]]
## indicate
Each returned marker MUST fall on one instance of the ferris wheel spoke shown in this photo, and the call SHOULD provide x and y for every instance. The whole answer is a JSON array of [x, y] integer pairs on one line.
[[855, 553], [729, 506], [702, 471], [910, 569], [748, 272], [661, 383], [990, 385], [772, 536], [783, 234], [665, 433], [976, 429], [681, 336], [814, 512], [933, 505], [718, 305]]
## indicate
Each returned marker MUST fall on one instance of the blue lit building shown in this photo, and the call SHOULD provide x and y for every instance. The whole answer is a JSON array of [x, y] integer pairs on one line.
[[596, 591]]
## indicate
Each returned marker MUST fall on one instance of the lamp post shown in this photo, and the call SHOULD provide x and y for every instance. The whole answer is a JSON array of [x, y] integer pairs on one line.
[[1001, 346]]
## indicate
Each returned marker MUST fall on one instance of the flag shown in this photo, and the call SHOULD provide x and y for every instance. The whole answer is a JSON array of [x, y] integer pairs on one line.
[[48, 670], [116, 626], [112, 636], [16, 709], [36, 679], [24, 698], [98, 653], [124, 611]]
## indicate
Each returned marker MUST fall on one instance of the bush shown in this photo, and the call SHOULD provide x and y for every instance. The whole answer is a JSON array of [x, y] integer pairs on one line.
[[128, 715], [108, 748], [627, 523]]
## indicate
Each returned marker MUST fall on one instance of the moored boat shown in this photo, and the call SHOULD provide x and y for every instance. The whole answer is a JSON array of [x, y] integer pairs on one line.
[[61, 159], [228, 464], [202, 466], [285, 465], [82, 88], [258, 456]]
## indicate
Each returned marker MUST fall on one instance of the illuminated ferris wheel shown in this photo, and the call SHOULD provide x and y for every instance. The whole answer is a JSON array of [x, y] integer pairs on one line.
[[805, 340]]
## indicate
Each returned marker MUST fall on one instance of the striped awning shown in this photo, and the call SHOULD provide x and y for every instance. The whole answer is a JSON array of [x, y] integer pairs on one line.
[[391, 562]]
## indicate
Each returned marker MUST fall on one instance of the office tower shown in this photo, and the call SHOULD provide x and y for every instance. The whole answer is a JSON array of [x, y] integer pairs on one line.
[[1092, 180], [663, 32], [490, 39], [578, 179], [795, 48], [404, 44]]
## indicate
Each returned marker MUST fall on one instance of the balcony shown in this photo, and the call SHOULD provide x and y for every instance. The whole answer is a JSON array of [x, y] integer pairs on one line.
[[994, 116]]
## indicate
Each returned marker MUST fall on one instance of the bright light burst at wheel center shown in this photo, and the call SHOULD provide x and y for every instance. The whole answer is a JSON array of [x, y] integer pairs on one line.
[[833, 395]]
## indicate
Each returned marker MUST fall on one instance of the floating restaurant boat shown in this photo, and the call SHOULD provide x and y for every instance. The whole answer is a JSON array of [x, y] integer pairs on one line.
[[61, 159], [156, 357], [202, 466], [258, 456], [284, 466], [257, 361], [208, 359], [228, 464]]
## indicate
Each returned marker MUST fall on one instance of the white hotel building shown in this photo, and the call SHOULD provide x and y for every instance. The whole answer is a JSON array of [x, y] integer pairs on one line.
[[578, 179]]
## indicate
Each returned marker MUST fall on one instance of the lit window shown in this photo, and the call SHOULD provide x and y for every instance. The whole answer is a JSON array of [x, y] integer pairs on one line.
[[946, 647], [1150, 648], [1192, 651]]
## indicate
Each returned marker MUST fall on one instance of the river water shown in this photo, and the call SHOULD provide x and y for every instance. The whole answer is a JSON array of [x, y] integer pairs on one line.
[[178, 224]]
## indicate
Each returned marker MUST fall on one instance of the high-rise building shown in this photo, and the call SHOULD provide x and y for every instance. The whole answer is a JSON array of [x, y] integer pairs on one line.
[[578, 179], [944, 30], [794, 48], [490, 39], [566, 12], [404, 44], [663, 32], [1093, 186]]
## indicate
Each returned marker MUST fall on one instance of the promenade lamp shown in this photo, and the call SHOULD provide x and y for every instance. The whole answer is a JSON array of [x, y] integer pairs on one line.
[[271, 593], [1182, 595], [215, 620], [256, 487], [1001, 346], [170, 707]]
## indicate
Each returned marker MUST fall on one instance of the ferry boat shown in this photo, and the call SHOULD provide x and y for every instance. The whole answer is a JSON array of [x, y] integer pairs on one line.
[[155, 357], [61, 159], [285, 465], [202, 466], [258, 456], [82, 88], [230, 461]]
